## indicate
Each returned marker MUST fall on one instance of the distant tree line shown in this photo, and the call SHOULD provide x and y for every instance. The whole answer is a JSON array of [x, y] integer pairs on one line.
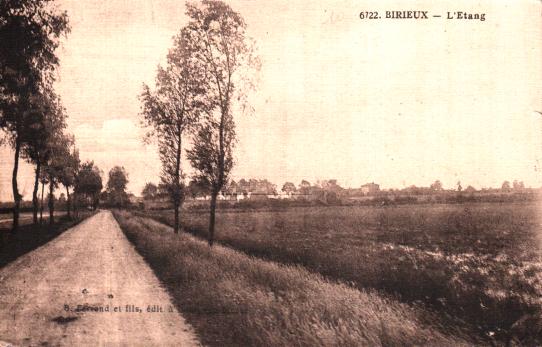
[[327, 191]]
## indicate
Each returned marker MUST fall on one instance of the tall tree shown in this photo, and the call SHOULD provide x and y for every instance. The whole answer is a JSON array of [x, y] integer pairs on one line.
[[150, 191], [196, 188], [43, 180], [88, 183], [116, 186], [436, 186], [48, 123], [518, 185], [220, 49], [59, 155], [170, 111], [29, 32], [304, 187], [69, 171], [289, 188]]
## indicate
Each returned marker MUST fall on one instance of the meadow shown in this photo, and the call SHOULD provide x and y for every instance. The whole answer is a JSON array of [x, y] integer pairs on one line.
[[477, 266], [232, 299]]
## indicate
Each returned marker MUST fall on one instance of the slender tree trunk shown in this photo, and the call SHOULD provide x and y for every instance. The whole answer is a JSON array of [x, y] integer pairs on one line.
[[16, 195], [180, 212], [214, 195], [35, 194], [218, 186], [41, 205], [74, 201], [68, 202], [177, 193], [176, 225], [51, 201]]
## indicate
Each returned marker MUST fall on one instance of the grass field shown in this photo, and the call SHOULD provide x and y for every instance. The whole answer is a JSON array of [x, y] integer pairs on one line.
[[24, 218], [478, 266], [232, 299]]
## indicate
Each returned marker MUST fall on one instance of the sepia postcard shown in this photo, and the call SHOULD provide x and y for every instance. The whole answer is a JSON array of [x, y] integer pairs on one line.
[[270, 173]]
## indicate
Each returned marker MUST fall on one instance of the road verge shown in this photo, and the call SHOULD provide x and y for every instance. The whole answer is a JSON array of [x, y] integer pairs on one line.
[[234, 299]]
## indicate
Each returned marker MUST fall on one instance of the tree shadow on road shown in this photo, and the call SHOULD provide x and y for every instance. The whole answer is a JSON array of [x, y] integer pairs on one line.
[[29, 237]]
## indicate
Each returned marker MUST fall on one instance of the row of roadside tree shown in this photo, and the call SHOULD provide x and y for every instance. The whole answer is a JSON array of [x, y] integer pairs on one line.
[[32, 117]]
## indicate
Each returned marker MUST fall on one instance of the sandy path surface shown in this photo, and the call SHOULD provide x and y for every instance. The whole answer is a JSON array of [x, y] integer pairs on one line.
[[91, 264]]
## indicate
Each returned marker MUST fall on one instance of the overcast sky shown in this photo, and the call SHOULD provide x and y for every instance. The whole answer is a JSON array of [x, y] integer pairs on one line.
[[394, 102]]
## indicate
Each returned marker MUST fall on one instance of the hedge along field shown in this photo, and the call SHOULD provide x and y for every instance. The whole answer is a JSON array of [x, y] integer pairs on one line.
[[477, 265], [232, 299]]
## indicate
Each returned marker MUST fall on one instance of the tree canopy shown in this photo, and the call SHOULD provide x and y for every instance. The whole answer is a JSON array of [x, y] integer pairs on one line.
[[224, 57], [88, 183], [29, 32], [169, 111], [116, 186], [150, 191]]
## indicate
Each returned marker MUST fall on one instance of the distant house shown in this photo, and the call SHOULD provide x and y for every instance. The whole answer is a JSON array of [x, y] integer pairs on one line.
[[240, 197], [254, 189], [282, 195], [370, 188]]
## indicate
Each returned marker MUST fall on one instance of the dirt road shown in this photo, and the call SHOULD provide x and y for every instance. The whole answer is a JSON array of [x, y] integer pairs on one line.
[[88, 287]]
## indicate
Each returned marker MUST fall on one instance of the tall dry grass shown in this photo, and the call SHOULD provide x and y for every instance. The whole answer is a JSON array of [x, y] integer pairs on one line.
[[234, 299], [478, 265]]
